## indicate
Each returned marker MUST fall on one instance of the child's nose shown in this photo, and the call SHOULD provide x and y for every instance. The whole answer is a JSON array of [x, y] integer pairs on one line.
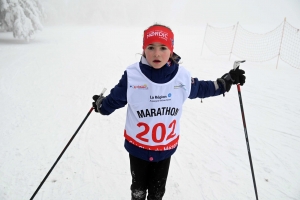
[[156, 52]]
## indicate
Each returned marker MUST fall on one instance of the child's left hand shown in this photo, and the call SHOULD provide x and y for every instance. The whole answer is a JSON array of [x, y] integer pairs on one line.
[[233, 77], [238, 76]]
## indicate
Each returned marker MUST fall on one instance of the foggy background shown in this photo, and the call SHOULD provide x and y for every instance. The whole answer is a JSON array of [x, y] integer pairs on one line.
[[47, 84], [270, 13]]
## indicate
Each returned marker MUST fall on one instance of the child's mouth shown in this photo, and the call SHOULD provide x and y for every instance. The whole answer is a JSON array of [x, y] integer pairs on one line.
[[156, 61]]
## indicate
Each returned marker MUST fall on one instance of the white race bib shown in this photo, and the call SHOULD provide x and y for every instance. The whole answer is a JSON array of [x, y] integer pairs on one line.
[[154, 110]]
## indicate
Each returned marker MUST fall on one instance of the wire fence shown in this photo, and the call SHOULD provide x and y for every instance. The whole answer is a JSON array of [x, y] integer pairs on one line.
[[283, 42]]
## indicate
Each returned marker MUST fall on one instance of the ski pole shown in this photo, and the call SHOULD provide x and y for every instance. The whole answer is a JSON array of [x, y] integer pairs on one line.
[[49, 172], [235, 65]]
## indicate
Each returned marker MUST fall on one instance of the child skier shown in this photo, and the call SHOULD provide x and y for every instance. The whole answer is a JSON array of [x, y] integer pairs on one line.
[[155, 89]]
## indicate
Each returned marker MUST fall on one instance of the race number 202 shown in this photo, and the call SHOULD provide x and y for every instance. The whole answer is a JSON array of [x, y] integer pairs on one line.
[[154, 130]]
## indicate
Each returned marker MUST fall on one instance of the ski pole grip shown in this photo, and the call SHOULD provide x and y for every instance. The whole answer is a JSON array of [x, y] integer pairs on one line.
[[104, 89], [99, 98], [237, 63]]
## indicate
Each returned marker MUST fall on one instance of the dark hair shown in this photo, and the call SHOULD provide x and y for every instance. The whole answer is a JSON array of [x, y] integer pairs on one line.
[[173, 57], [157, 24]]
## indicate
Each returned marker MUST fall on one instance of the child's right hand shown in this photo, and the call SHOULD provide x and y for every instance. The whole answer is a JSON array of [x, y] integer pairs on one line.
[[97, 102]]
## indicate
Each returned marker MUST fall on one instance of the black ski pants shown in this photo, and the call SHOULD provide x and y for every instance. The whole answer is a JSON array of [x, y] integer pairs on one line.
[[151, 176]]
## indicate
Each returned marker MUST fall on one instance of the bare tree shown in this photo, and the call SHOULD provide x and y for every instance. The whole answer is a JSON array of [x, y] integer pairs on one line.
[[22, 17]]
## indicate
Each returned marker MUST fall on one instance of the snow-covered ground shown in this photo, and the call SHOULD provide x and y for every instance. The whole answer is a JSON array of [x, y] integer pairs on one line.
[[46, 88]]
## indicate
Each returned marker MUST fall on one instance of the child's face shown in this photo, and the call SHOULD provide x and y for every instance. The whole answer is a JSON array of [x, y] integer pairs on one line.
[[157, 55]]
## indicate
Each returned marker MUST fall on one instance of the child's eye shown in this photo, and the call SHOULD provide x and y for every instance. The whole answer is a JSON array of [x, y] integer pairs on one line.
[[150, 47], [163, 48]]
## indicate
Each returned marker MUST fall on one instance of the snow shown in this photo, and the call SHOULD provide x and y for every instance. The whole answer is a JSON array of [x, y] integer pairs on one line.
[[46, 89]]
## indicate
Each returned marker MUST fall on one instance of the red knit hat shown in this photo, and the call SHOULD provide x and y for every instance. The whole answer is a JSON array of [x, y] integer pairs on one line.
[[159, 34]]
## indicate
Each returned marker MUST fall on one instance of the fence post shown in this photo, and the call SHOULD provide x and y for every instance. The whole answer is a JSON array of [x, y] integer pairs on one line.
[[281, 41], [237, 24], [204, 39]]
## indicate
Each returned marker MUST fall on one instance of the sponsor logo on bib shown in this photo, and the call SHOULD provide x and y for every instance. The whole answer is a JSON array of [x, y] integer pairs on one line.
[[157, 98], [180, 85], [144, 87]]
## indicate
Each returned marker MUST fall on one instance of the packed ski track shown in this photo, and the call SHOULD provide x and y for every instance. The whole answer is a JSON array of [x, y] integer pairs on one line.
[[46, 89]]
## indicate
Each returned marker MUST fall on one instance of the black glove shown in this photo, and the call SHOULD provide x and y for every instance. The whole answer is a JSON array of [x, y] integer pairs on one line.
[[238, 76], [233, 77], [97, 102]]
